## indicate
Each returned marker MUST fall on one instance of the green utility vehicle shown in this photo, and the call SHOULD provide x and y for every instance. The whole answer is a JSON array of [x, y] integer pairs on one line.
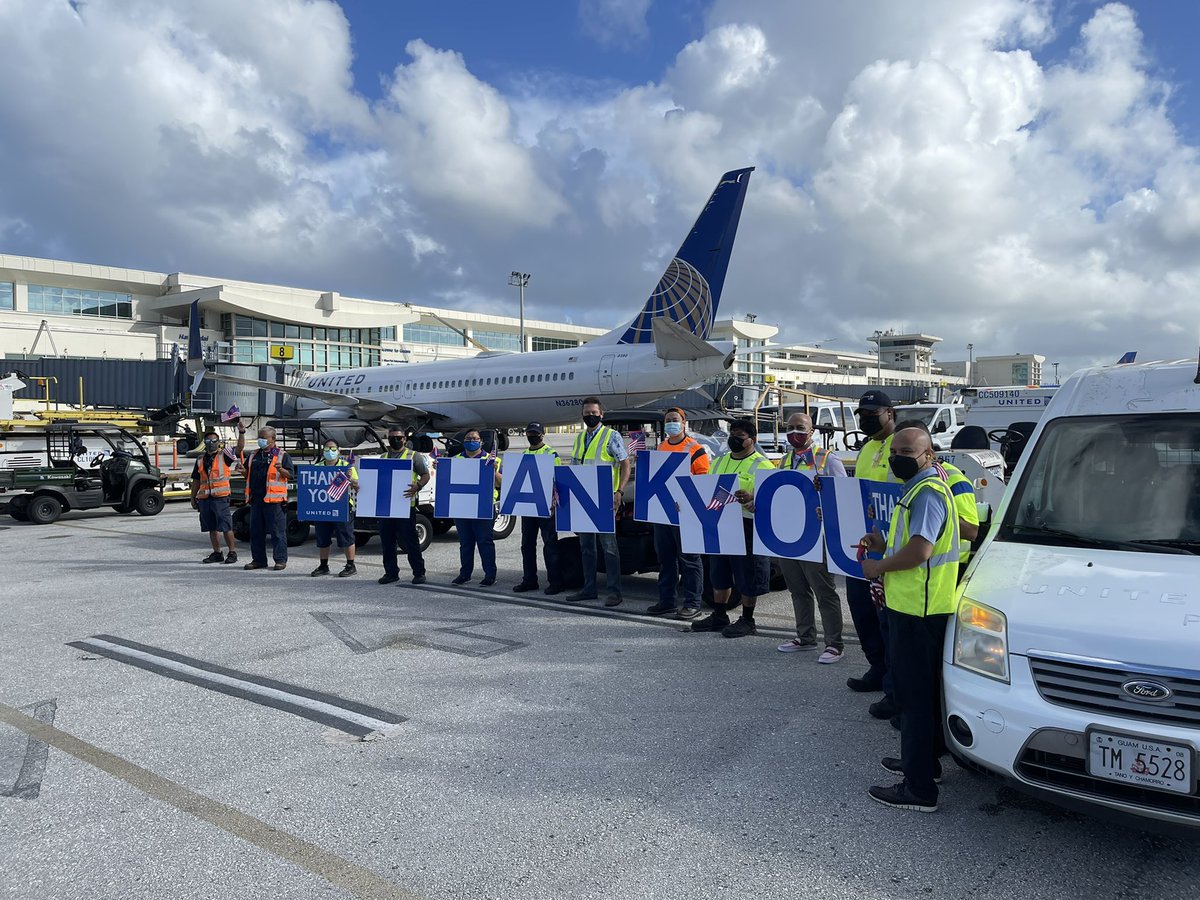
[[47, 471]]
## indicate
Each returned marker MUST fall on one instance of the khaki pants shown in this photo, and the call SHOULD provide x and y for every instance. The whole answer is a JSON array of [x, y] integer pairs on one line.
[[807, 581]]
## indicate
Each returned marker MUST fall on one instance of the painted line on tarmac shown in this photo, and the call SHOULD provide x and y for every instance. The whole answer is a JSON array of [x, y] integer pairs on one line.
[[24, 765], [353, 718], [357, 880]]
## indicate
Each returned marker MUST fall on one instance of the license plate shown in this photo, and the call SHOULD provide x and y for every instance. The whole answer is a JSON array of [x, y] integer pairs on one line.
[[1137, 761]]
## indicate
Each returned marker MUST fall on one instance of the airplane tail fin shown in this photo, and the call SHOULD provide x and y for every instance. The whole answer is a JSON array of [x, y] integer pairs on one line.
[[690, 289], [195, 352], [1129, 357]]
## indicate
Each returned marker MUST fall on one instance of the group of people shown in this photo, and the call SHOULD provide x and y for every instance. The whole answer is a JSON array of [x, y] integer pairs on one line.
[[900, 612]]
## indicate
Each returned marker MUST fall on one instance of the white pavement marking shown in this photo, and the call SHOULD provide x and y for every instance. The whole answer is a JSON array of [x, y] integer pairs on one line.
[[351, 877], [241, 687]]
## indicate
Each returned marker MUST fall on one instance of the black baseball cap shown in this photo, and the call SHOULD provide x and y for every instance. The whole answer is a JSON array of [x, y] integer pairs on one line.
[[873, 400], [535, 426]]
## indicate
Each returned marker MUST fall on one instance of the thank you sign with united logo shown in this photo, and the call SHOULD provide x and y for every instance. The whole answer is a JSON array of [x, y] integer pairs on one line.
[[323, 493]]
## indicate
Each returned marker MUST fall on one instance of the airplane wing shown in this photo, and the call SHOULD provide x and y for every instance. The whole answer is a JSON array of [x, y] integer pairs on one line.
[[365, 408], [673, 341]]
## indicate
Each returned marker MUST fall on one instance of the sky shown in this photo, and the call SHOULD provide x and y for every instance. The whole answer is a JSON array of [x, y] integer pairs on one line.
[[1021, 175]]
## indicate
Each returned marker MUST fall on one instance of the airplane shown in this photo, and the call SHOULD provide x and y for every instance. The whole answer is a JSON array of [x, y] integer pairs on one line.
[[663, 350]]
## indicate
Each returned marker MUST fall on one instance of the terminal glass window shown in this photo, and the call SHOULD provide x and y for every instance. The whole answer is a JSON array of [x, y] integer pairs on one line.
[[6, 295], [346, 347], [420, 333], [57, 301], [498, 340], [388, 333], [549, 343]]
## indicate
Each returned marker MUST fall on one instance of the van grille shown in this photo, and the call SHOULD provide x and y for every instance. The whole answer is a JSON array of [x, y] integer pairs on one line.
[[1096, 687]]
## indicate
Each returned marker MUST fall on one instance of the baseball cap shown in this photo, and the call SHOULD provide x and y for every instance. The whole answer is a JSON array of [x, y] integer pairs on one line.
[[873, 400], [535, 426]]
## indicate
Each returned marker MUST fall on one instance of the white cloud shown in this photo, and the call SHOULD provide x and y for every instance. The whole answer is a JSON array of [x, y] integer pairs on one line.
[[920, 165]]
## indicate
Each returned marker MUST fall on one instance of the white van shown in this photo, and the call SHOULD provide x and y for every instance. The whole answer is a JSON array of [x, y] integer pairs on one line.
[[1072, 666], [944, 420]]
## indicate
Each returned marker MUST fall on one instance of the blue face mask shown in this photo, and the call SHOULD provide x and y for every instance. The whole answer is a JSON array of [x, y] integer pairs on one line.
[[263, 443], [674, 428], [331, 455], [472, 446]]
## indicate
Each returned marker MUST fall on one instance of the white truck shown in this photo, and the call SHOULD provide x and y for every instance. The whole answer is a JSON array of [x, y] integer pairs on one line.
[[944, 420], [1072, 664]]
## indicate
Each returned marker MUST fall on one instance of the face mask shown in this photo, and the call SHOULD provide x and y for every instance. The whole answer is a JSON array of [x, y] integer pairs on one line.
[[210, 445], [798, 439], [263, 443], [534, 439], [331, 455], [904, 467], [590, 420], [674, 429], [737, 444], [396, 443], [472, 446], [870, 424]]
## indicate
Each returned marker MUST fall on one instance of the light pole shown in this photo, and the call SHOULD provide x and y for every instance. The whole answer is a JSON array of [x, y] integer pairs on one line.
[[520, 280], [970, 363], [878, 338]]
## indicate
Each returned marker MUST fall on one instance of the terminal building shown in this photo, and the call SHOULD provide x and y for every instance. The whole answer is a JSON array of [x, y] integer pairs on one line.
[[69, 310]]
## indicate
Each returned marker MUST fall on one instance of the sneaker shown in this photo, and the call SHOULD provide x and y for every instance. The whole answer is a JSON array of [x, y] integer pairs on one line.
[[687, 613], [883, 709], [524, 588], [553, 589], [488, 581], [215, 556], [661, 608], [418, 579], [322, 569], [578, 596], [892, 764], [231, 557], [348, 570], [461, 579], [796, 644], [866, 684], [831, 655], [389, 579], [898, 796], [278, 567], [743, 627], [613, 600], [714, 622]]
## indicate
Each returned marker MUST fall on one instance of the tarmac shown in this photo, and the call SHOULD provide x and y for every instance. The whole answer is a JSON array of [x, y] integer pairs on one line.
[[172, 729]]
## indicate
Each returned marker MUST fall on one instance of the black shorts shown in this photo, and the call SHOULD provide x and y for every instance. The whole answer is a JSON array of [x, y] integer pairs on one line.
[[328, 531], [215, 514], [750, 574]]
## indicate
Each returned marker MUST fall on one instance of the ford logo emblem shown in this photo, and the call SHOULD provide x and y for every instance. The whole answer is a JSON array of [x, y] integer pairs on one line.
[[1146, 690]]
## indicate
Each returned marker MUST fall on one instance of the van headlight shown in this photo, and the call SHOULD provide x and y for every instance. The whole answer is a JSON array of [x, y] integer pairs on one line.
[[981, 639]]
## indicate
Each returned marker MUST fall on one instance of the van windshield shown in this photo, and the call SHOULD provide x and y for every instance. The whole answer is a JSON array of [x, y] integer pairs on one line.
[[1120, 482], [924, 415]]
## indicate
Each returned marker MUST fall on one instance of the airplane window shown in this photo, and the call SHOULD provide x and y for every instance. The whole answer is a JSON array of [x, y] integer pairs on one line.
[[539, 377], [571, 375], [554, 377]]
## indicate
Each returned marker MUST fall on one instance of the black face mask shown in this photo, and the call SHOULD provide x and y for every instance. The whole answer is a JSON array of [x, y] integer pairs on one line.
[[870, 424], [396, 443], [534, 439], [591, 420], [904, 467], [737, 444]]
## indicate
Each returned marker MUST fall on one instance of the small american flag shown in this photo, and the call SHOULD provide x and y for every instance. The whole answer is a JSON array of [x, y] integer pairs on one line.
[[230, 414], [722, 498], [338, 486], [636, 442], [230, 455]]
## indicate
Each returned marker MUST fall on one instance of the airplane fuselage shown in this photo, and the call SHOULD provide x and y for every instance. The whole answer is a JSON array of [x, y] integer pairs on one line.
[[512, 389]]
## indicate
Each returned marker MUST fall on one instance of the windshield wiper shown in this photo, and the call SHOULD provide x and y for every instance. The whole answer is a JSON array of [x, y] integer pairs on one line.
[[1153, 546], [1182, 545]]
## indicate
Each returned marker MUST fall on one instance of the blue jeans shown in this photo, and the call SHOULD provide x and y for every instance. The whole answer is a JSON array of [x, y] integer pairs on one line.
[[268, 517], [406, 531], [612, 562], [474, 533], [530, 529], [673, 562]]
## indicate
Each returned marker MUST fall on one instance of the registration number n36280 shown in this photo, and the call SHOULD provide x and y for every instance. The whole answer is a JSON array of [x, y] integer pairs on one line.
[[1137, 761]]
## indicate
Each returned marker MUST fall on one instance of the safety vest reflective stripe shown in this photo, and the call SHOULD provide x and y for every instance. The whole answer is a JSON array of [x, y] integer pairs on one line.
[[546, 448], [596, 451], [928, 589], [872, 462], [214, 482], [744, 469], [820, 458], [276, 484]]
